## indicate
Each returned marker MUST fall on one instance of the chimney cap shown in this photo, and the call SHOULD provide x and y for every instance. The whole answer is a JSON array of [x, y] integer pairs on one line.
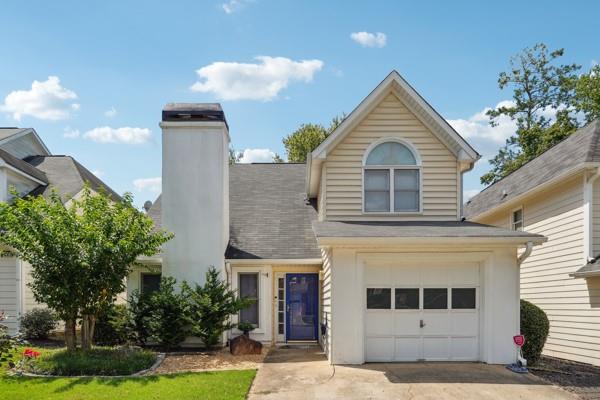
[[193, 112]]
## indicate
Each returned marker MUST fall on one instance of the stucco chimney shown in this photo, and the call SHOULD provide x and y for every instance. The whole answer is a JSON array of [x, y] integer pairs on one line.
[[195, 189]]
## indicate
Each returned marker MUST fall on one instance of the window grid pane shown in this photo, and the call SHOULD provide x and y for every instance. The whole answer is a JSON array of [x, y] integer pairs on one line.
[[407, 299], [379, 298], [464, 298], [391, 153], [377, 190], [435, 298]]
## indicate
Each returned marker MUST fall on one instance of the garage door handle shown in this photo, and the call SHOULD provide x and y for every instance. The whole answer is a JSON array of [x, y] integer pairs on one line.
[[421, 324]]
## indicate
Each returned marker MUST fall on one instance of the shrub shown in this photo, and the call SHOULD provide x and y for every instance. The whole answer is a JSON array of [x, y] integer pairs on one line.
[[211, 306], [7, 343], [37, 323], [534, 326], [161, 316], [111, 326]]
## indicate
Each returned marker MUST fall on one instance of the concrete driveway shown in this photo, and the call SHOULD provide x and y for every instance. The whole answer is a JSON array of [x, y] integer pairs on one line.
[[306, 374]]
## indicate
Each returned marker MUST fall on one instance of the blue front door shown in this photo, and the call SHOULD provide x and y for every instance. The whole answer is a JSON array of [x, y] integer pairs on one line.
[[302, 306]]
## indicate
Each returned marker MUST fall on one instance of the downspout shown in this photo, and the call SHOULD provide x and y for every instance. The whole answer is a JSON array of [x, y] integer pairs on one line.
[[525, 254], [19, 283], [588, 211]]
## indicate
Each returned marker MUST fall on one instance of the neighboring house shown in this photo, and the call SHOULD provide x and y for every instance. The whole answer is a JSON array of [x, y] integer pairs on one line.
[[27, 165], [557, 195], [362, 249]]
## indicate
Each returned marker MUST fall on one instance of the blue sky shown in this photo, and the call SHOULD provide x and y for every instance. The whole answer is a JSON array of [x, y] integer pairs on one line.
[[114, 64]]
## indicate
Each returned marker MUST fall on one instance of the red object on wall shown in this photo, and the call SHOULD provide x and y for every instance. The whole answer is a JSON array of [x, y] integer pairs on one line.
[[519, 340]]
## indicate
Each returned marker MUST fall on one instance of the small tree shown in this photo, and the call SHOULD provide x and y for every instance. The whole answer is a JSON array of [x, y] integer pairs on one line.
[[535, 327], [306, 138], [211, 306], [80, 252]]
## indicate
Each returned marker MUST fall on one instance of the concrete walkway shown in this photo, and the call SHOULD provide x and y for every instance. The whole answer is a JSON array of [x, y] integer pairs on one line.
[[306, 374]]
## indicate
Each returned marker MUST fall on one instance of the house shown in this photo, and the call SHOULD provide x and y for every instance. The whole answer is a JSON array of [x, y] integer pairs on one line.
[[362, 248], [27, 165], [557, 195]]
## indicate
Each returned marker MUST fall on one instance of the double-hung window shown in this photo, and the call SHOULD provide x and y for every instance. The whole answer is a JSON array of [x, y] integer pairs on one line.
[[392, 179], [517, 220]]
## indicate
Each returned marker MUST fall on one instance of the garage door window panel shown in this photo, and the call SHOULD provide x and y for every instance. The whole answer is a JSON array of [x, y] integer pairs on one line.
[[379, 298], [435, 298], [407, 299], [464, 298]]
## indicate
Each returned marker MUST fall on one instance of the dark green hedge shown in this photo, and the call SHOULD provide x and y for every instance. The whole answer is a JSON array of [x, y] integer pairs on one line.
[[534, 326]]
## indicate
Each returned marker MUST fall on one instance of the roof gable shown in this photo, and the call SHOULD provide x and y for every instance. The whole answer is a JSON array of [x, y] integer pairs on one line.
[[395, 84], [22, 143]]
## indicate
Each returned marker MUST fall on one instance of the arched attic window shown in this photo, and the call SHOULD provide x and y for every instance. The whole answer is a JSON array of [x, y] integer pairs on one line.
[[392, 178]]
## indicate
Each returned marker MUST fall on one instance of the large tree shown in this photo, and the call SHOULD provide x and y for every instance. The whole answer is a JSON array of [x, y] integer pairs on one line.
[[80, 252], [306, 138], [587, 94], [543, 107]]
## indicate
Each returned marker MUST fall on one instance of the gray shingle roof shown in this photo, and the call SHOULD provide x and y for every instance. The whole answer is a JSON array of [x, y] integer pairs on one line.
[[417, 229], [268, 216], [23, 166], [67, 176], [581, 147]]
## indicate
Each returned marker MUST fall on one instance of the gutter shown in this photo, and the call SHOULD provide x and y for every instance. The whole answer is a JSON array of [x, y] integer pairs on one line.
[[588, 210]]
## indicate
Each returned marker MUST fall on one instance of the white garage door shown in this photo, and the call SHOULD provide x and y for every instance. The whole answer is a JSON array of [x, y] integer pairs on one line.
[[8, 291], [422, 311]]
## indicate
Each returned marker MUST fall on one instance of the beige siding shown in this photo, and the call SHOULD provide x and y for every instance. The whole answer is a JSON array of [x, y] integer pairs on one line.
[[8, 291], [572, 305], [391, 118], [596, 218], [29, 302], [326, 300]]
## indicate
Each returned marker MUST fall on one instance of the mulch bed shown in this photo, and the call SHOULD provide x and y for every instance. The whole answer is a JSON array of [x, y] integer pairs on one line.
[[581, 379], [196, 361]]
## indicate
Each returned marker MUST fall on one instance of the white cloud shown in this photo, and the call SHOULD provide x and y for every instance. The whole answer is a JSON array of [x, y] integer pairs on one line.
[[254, 81], [126, 135], [368, 39], [478, 126], [71, 133], [46, 100], [110, 113], [256, 156], [149, 184], [234, 5], [469, 193]]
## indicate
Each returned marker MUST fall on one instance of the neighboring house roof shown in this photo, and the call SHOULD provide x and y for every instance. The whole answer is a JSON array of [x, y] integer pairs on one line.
[[67, 176], [23, 166], [417, 230], [7, 132], [395, 83], [580, 148], [592, 268], [269, 217]]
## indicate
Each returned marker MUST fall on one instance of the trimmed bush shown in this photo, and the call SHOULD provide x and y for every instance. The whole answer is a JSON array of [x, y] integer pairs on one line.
[[38, 323], [161, 317], [111, 326], [535, 327]]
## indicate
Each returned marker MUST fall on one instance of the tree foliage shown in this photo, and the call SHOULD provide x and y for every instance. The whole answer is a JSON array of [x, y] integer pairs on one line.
[[80, 252], [541, 87], [587, 94], [306, 138], [210, 307]]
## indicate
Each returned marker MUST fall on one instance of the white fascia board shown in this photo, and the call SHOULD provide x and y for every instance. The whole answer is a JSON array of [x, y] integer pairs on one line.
[[427, 241], [271, 261]]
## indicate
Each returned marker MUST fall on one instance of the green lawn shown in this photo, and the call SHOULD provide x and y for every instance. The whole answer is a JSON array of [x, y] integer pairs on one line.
[[227, 385]]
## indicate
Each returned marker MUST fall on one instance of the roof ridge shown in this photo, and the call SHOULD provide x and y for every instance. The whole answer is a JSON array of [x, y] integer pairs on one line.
[[595, 139]]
